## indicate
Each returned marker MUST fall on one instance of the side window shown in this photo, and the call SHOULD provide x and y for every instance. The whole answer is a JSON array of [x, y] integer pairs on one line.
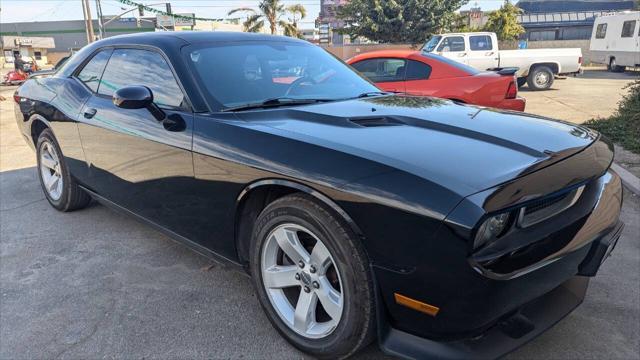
[[382, 70], [417, 70], [601, 31], [628, 28], [451, 44], [480, 43], [125, 69], [92, 71]]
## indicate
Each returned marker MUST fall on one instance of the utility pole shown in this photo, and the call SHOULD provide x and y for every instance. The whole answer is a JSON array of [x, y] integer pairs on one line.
[[100, 24], [86, 24], [88, 21]]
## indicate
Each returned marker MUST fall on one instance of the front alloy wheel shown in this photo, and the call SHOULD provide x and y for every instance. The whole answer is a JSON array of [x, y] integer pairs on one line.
[[312, 277], [302, 281]]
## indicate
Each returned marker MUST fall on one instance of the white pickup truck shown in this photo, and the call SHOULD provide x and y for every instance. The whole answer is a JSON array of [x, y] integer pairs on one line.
[[536, 67]]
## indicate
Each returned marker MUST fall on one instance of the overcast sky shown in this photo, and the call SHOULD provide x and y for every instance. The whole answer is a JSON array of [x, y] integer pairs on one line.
[[47, 10]]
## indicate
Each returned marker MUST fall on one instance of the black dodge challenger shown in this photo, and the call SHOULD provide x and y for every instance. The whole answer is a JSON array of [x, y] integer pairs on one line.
[[440, 229]]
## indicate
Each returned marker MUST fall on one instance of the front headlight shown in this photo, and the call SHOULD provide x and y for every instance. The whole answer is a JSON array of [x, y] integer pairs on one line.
[[491, 229]]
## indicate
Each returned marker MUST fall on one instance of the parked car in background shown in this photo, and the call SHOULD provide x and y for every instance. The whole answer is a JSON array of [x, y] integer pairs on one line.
[[442, 230], [424, 74], [615, 41], [537, 67]]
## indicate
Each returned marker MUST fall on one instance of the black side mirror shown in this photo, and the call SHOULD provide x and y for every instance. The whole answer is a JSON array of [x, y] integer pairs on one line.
[[137, 97]]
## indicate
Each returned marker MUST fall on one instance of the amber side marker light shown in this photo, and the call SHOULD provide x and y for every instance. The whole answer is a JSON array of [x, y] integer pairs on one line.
[[416, 305]]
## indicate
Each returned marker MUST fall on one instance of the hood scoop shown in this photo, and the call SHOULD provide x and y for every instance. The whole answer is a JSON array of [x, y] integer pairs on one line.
[[376, 121]]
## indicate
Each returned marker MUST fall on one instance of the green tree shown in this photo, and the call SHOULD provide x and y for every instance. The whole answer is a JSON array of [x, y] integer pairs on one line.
[[297, 13], [271, 12], [389, 21], [504, 22]]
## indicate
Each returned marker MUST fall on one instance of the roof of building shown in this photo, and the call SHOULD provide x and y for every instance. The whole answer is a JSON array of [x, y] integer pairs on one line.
[[542, 6]]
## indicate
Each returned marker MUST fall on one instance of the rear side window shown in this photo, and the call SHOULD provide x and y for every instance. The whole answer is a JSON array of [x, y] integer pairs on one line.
[[92, 71], [480, 43], [452, 43], [628, 28], [417, 70], [125, 69], [601, 31], [382, 70]]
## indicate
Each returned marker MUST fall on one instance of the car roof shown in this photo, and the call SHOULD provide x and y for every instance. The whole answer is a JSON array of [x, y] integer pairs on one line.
[[192, 37]]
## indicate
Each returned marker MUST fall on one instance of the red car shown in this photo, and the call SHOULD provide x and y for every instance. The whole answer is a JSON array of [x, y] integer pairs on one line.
[[425, 74]]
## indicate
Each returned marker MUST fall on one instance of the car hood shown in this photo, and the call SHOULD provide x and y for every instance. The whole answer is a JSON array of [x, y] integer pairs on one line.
[[464, 148]]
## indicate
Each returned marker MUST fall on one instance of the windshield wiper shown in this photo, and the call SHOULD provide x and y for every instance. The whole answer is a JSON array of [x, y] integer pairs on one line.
[[275, 102]]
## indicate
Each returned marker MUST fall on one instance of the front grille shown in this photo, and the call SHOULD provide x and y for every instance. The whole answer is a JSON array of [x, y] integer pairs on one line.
[[548, 207]]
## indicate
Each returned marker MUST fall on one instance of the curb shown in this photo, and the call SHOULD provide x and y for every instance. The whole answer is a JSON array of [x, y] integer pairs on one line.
[[629, 180]]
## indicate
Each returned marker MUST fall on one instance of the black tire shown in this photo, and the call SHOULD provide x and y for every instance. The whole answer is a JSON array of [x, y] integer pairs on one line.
[[538, 71], [356, 327], [613, 67], [522, 81], [72, 196]]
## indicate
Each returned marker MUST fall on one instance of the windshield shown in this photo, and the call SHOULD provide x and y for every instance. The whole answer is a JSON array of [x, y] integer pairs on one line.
[[252, 72], [432, 43]]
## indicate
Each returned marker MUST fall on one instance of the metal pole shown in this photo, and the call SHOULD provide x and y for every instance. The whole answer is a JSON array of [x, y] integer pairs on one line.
[[100, 24], [86, 23], [89, 21]]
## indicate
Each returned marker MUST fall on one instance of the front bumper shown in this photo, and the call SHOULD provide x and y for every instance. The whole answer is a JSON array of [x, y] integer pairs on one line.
[[513, 329], [517, 104]]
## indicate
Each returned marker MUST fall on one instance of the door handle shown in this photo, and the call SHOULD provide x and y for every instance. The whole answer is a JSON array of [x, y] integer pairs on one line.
[[89, 113]]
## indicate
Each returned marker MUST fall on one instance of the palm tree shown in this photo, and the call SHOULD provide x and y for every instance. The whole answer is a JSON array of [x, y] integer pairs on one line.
[[298, 12], [271, 11]]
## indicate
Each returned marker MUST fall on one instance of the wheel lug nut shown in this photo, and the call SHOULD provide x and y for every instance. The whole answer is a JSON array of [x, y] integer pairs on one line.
[[297, 276], [316, 284], [312, 269], [301, 264], [306, 289]]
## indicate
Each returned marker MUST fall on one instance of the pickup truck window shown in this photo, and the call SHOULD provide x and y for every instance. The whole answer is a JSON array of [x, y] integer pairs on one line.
[[480, 43], [451, 44], [601, 31], [628, 28], [432, 43], [382, 70]]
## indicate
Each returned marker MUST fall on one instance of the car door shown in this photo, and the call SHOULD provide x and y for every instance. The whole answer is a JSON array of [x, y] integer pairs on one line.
[[134, 160], [454, 48], [482, 52], [387, 73]]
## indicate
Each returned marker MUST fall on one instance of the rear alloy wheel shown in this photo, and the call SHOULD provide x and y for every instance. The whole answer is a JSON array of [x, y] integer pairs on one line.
[[540, 78], [312, 278], [60, 189]]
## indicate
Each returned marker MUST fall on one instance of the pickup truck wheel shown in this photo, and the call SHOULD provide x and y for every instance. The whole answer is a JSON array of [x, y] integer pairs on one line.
[[540, 78], [521, 81], [312, 278]]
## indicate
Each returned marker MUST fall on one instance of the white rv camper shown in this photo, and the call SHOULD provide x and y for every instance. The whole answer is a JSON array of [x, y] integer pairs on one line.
[[615, 40]]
